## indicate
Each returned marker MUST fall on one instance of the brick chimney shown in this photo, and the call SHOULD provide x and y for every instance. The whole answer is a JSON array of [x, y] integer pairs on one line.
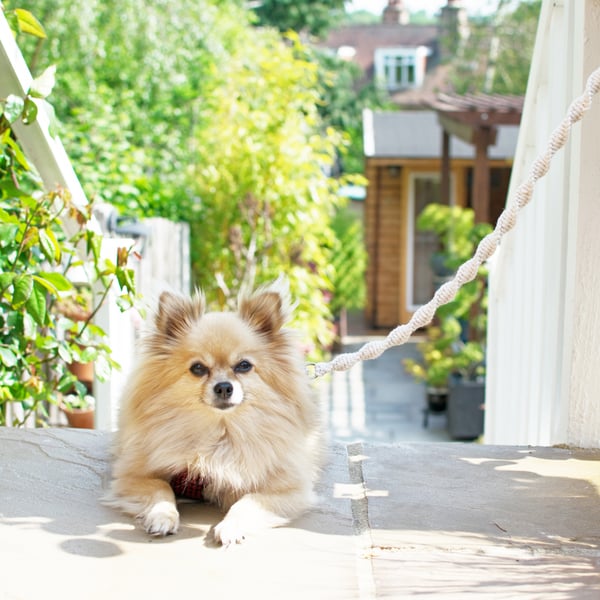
[[454, 27], [395, 13]]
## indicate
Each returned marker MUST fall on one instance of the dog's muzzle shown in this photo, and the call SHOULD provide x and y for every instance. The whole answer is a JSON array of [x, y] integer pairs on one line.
[[225, 395]]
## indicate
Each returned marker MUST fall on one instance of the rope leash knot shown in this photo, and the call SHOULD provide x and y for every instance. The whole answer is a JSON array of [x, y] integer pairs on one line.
[[468, 270]]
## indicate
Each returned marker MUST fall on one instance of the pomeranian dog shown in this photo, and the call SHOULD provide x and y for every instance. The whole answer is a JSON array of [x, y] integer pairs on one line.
[[219, 402]]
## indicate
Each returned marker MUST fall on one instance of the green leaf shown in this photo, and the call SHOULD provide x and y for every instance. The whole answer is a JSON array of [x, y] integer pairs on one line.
[[14, 320], [8, 231], [65, 353], [46, 343], [50, 246], [23, 286], [102, 368], [126, 279], [28, 326], [30, 111], [7, 357], [6, 279], [41, 86], [94, 244], [28, 23], [80, 388], [56, 281], [89, 354], [20, 158], [13, 107], [66, 382], [36, 304]]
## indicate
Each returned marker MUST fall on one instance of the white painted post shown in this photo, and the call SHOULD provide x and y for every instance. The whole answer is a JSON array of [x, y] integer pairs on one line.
[[121, 330], [43, 150]]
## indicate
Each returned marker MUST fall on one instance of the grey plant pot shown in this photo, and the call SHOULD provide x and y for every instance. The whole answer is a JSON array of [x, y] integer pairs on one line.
[[465, 412]]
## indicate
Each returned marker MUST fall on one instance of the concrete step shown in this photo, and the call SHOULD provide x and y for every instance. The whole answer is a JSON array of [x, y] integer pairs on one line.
[[437, 520]]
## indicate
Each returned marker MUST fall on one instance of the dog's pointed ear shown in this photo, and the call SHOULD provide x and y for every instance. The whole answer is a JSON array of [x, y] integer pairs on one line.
[[176, 314], [267, 309]]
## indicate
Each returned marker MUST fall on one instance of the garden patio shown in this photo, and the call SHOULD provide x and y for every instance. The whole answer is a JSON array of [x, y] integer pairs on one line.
[[436, 520], [432, 520]]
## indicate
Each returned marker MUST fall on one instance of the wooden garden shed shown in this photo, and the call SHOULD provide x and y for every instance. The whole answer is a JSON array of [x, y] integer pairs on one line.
[[406, 170]]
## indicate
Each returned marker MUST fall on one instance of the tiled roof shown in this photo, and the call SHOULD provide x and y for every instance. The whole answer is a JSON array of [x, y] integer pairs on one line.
[[367, 38]]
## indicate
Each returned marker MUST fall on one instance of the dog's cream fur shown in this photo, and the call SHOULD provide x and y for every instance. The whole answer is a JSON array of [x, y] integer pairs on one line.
[[259, 456]]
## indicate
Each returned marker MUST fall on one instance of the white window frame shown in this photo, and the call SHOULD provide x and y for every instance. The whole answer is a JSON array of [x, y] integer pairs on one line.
[[413, 56]]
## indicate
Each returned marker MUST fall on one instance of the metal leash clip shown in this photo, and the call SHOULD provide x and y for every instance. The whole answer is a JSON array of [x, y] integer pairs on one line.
[[311, 370]]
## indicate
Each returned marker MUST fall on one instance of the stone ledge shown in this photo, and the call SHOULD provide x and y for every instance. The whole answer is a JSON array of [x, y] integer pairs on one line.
[[393, 521]]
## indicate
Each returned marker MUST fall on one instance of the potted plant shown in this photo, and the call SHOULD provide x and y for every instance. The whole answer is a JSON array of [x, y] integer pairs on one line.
[[76, 311], [80, 410], [38, 257], [457, 234], [435, 366], [453, 355], [466, 391]]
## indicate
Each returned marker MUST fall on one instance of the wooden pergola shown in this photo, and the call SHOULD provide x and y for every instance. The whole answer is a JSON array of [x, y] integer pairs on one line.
[[474, 118]]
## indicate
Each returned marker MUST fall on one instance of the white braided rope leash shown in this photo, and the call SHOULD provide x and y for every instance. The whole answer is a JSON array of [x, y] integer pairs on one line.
[[468, 271]]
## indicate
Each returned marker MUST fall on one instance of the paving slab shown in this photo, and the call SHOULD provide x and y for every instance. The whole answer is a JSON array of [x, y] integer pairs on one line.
[[423, 520], [378, 401], [58, 541], [467, 520]]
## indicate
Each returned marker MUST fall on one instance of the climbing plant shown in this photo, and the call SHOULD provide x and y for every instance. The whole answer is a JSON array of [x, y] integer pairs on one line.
[[45, 311]]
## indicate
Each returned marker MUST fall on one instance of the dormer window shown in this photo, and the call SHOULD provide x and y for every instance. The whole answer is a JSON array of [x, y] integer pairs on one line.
[[400, 68]]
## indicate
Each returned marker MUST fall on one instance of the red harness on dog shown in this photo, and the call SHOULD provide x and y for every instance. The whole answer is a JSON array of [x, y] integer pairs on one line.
[[185, 486]]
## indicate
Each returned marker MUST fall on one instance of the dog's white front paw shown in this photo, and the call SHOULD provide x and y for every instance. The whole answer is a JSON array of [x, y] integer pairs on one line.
[[228, 531], [161, 519]]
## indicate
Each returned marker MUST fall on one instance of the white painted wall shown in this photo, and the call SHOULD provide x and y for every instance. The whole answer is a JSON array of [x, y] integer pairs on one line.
[[543, 383]]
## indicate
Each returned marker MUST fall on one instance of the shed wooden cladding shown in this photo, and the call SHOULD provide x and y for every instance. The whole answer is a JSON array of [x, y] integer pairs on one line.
[[388, 227], [404, 155]]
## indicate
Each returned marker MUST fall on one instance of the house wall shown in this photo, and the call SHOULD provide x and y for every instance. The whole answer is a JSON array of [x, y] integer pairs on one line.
[[544, 306]]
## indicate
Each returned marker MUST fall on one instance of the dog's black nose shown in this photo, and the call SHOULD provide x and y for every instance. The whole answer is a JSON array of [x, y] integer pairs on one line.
[[223, 390]]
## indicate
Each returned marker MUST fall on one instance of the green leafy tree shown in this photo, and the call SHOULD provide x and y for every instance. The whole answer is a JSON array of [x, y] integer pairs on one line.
[[343, 99], [497, 55], [129, 88], [311, 16], [182, 109], [361, 17], [265, 201], [349, 262]]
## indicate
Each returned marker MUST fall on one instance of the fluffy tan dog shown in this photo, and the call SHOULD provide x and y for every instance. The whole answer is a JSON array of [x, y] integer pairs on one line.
[[222, 400]]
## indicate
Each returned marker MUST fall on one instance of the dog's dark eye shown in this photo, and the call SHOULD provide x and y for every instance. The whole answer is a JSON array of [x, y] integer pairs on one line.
[[243, 366], [198, 369]]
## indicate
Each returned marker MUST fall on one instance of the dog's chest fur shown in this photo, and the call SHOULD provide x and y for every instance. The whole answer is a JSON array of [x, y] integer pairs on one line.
[[230, 467]]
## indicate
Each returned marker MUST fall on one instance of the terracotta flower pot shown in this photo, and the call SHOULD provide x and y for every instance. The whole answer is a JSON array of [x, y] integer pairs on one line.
[[81, 418], [83, 372]]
